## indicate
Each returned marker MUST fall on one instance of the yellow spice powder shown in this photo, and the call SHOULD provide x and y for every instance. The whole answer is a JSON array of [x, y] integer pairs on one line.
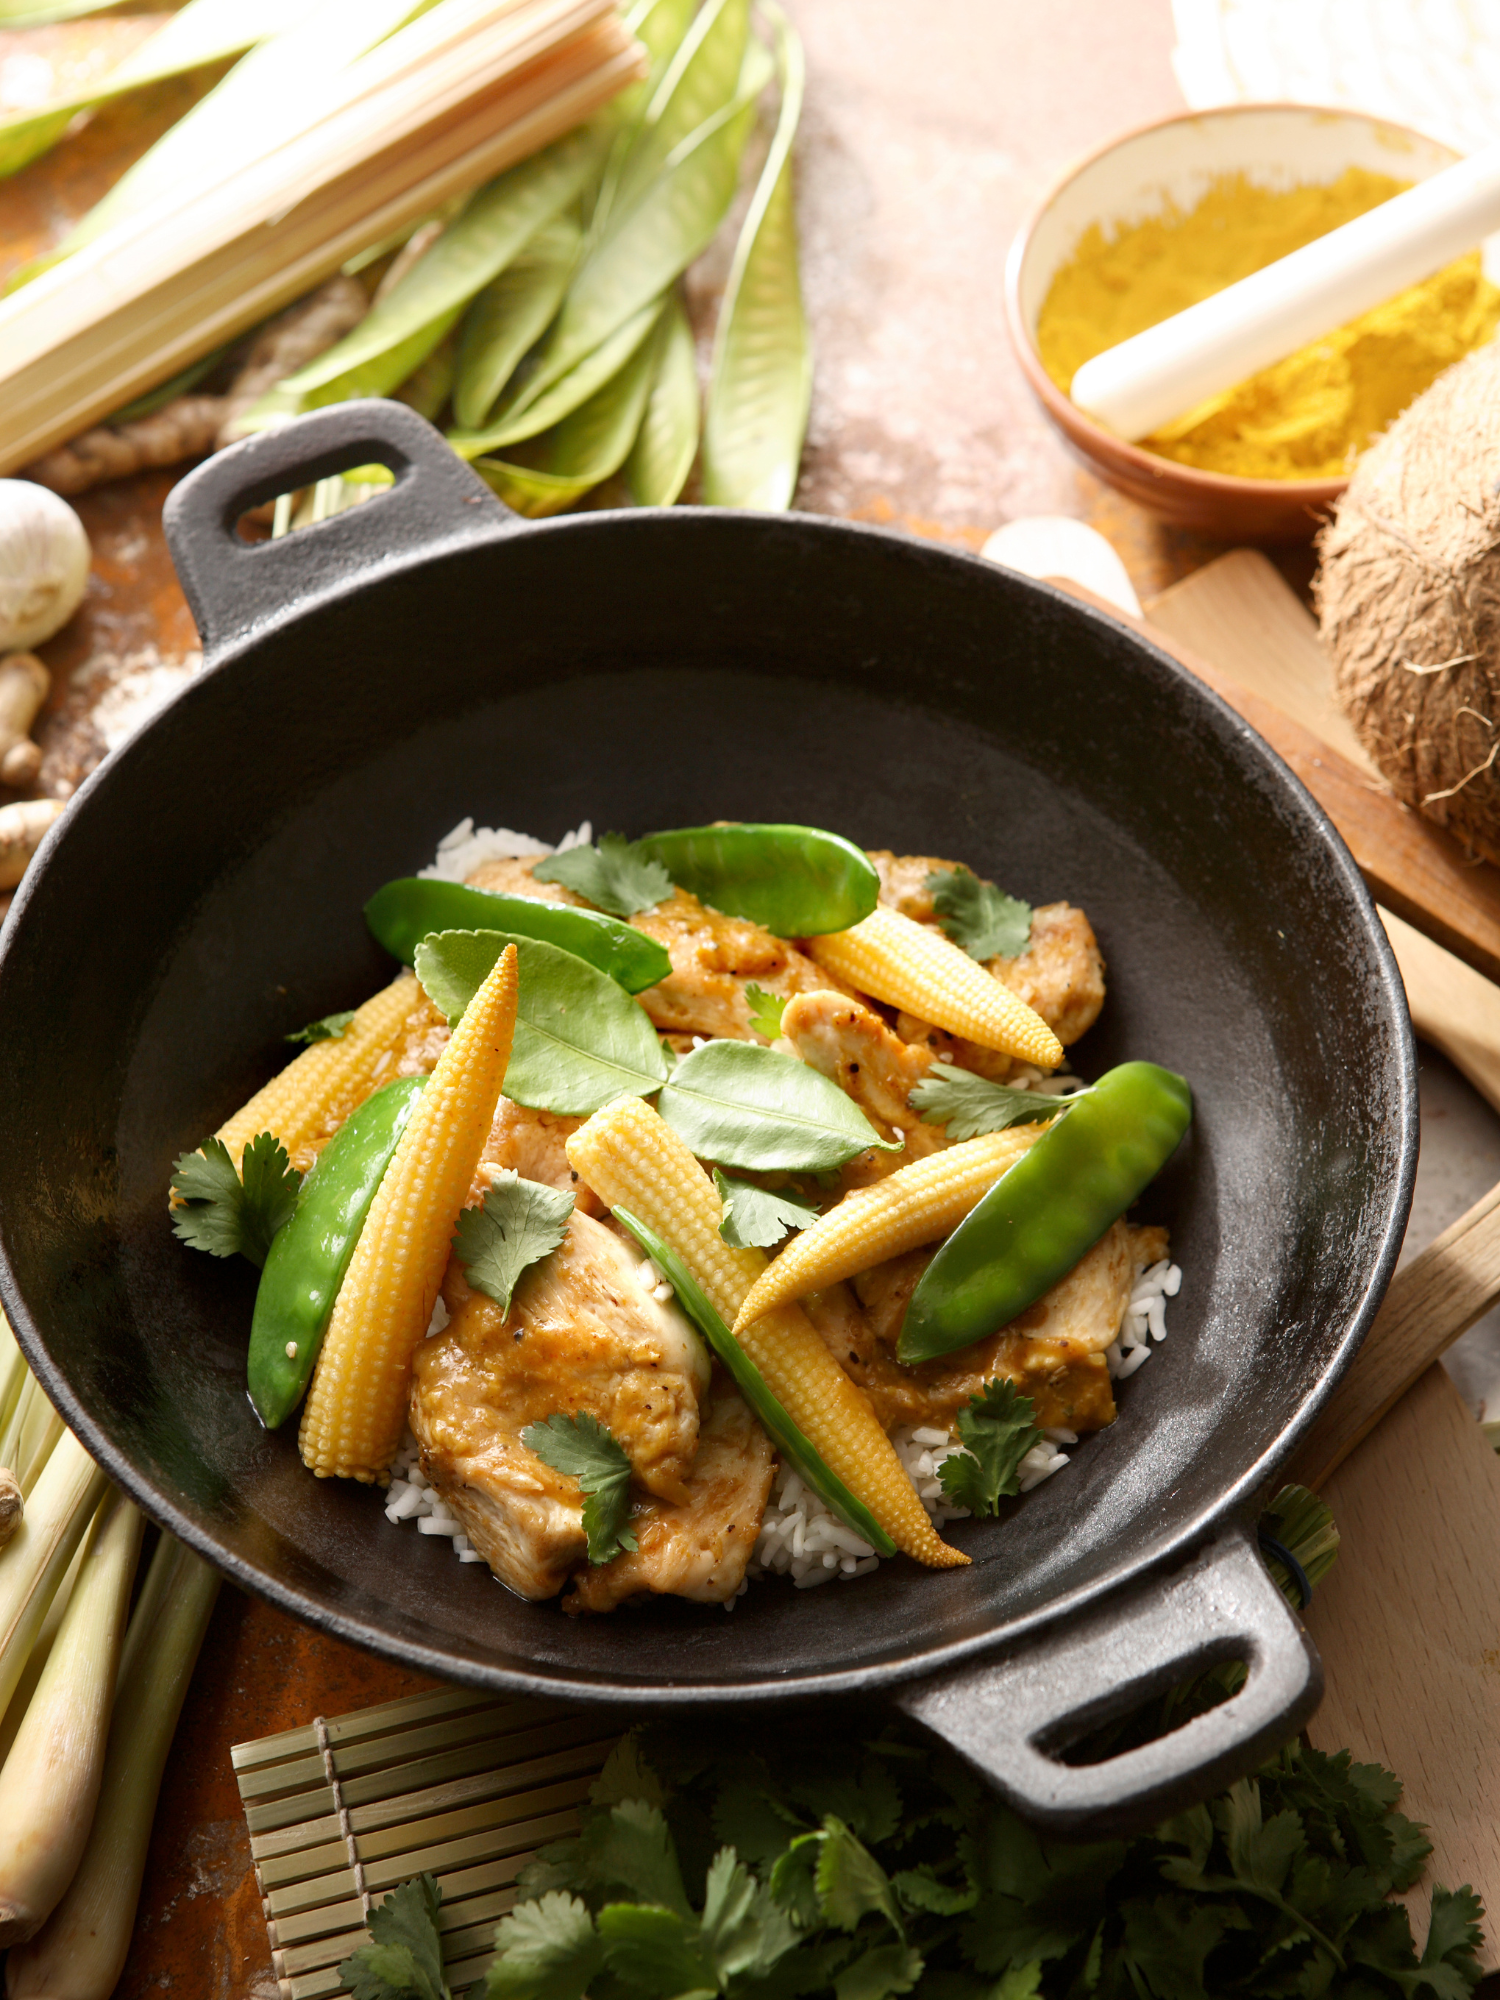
[[1310, 416]]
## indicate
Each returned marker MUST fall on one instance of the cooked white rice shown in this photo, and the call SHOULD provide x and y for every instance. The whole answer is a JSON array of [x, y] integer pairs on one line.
[[467, 847], [800, 1536]]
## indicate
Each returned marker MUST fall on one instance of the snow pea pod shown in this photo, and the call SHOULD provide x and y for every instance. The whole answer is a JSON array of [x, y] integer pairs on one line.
[[784, 1434], [1053, 1205], [310, 1254], [404, 912], [796, 880]]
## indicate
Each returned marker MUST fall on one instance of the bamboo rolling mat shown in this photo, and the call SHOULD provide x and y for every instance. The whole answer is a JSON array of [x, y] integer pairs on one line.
[[456, 1783]]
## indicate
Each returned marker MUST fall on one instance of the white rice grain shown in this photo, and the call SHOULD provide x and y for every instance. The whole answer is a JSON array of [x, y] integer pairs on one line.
[[466, 847]]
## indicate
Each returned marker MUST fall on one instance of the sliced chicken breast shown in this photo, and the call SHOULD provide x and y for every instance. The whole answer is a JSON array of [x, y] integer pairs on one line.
[[583, 1334], [698, 1548]]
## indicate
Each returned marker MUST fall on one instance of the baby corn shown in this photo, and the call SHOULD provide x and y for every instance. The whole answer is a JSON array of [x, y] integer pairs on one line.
[[633, 1159], [914, 967], [356, 1407], [312, 1096], [916, 1205]]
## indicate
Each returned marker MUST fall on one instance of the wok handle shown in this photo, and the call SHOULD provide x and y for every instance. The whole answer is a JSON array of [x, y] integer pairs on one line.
[[235, 587], [1010, 1718]]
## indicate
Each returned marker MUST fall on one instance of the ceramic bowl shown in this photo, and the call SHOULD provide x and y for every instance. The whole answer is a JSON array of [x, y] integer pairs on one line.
[[1276, 146]]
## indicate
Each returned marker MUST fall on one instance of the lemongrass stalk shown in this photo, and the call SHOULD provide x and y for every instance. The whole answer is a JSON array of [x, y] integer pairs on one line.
[[80, 1952], [36, 1559], [14, 1373], [36, 1659], [10, 1432], [38, 1437], [49, 1783]]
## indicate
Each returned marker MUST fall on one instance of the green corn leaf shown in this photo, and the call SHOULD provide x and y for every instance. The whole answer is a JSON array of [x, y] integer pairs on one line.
[[430, 384], [584, 449], [595, 372], [667, 441], [645, 248], [42, 13], [760, 386], [698, 81], [510, 315], [495, 226], [205, 31]]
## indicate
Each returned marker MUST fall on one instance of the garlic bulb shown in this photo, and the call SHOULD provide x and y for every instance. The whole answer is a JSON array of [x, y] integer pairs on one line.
[[44, 564]]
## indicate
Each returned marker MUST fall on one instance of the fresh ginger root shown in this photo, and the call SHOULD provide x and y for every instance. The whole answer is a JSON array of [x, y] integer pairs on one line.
[[24, 683], [21, 830], [289, 342], [184, 428], [191, 426]]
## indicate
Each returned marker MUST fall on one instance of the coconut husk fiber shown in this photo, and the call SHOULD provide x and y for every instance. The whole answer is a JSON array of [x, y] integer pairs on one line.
[[1408, 596]]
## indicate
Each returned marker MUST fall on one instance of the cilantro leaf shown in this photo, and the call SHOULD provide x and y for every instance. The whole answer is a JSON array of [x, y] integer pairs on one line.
[[1167, 1941], [766, 1010], [975, 914], [920, 1889], [880, 1973], [582, 1446], [520, 1223], [655, 1950], [997, 1432], [630, 1847], [744, 1930], [547, 1950], [627, 1775], [616, 875], [404, 1960], [330, 1029], [227, 1216], [755, 1218], [850, 1882], [971, 1105]]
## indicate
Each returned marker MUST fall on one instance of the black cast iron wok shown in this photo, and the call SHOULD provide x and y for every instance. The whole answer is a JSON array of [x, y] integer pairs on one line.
[[369, 682]]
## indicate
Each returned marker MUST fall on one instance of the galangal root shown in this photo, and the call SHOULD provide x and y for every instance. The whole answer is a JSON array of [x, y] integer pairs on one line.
[[21, 829], [24, 683]]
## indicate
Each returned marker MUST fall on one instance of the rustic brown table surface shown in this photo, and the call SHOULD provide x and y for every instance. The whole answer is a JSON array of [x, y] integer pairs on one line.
[[930, 130]]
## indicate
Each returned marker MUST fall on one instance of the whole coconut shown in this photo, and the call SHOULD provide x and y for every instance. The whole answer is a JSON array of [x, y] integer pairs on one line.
[[1408, 595]]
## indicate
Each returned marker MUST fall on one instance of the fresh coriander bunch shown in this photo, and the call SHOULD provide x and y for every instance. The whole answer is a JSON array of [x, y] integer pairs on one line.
[[857, 1861]]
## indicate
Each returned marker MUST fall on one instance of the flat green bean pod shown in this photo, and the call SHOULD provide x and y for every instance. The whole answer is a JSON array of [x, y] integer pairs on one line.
[[796, 880], [404, 912], [310, 1254], [1048, 1209], [751, 1384]]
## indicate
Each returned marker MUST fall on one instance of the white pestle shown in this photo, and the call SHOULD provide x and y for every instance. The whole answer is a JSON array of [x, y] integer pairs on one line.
[[1161, 374]]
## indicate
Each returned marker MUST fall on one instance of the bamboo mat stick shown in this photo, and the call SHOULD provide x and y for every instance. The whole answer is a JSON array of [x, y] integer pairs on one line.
[[190, 272], [462, 1785]]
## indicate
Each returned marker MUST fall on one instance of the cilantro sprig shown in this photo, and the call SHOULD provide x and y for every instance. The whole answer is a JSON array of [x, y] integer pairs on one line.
[[766, 1010], [756, 1217], [404, 1958], [976, 915], [332, 1028], [617, 875], [971, 1105], [519, 1223], [803, 1857], [228, 1216], [582, 1447], [996, 1431]]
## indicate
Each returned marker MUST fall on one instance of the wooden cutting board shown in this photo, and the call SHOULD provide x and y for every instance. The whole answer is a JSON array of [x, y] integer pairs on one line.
[[1408, 1622]]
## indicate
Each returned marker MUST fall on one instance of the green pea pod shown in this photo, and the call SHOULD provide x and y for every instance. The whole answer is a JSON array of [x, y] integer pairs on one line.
[[796, 880], [752, 1386], [1043, 1214], [403, 913], [310, 1254]]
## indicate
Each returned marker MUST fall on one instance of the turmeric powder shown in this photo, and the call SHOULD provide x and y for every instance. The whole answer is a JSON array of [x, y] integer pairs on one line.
[[1311, 415]]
